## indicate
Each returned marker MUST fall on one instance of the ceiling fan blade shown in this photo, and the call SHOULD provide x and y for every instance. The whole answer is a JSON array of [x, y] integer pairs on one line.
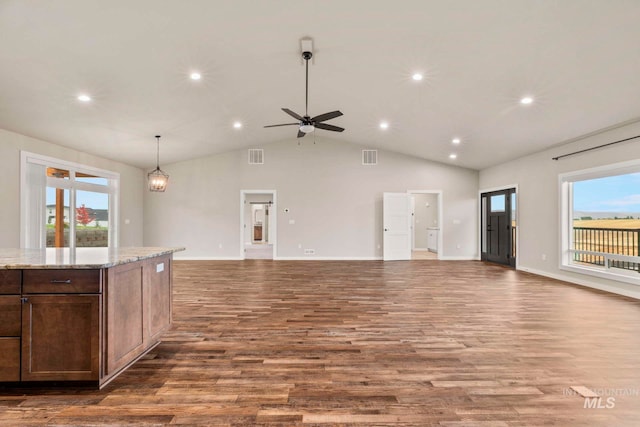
[[300, 133], [284, 124], [326, 126], [292, 114], [326, 116]]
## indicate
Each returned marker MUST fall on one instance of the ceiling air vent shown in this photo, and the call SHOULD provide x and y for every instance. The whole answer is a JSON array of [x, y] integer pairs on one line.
[[369, 157], [256, 156]]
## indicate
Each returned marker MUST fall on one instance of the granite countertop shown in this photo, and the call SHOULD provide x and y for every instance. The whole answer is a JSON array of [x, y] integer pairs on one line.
[[80, 258]]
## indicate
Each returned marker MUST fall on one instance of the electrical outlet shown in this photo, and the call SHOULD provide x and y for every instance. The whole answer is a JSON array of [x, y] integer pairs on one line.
[[219, 245], [544, 257], [309, 251], [458, 246], [299, 245]]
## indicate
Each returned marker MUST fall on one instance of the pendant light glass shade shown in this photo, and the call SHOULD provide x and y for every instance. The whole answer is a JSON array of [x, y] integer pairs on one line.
[[157, 178]]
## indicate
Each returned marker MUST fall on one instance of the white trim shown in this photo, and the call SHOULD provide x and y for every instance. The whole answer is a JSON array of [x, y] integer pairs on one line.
[[565, 203], [112, 190], [479, 216], [459, 258], [48, 161], [582, 282], [326, 258], [439, 193], [205, 258], [421, 249], [273, 220]]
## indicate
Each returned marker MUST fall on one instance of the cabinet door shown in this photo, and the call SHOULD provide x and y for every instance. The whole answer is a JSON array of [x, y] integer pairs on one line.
[[9, 358], [157, 297], [125, 326], [61, 338]]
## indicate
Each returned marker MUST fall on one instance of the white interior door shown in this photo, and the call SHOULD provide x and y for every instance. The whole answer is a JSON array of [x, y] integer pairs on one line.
[[396, 218]]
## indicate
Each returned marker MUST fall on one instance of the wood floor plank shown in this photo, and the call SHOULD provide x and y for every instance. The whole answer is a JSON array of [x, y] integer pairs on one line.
[[421, 343]]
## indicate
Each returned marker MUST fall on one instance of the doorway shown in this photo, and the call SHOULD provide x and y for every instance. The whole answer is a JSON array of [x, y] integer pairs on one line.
[[426, 239], [498, 226], [258, 224]]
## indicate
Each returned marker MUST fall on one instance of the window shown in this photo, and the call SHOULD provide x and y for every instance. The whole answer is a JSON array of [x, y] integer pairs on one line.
[[601, 221], [64, 204]]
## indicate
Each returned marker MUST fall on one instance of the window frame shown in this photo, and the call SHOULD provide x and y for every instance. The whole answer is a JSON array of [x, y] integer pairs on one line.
[[565, 191], [112, 189]]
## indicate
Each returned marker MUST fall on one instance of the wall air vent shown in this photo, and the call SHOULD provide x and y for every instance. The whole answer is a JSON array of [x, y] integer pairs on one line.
[[256, 156], [369, 157]]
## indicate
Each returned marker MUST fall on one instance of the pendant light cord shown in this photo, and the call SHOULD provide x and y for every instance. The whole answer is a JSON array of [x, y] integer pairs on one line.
[[158, 152]]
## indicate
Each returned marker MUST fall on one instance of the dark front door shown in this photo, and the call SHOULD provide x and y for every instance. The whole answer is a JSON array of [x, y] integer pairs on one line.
[[498, 227]]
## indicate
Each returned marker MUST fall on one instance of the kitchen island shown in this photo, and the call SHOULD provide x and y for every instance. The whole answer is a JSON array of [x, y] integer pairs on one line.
[[81, 315]]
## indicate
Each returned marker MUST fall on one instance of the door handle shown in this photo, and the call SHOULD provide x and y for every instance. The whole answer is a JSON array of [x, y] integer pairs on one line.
[[68, 281], [386, 229]]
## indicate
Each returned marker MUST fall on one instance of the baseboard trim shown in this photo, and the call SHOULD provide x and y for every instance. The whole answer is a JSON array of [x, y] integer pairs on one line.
[[580, 282], [458, 258], [320, 258], [206, 258]]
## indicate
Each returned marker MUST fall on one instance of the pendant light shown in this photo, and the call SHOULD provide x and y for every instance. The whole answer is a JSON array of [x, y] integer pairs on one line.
[[157, 178]]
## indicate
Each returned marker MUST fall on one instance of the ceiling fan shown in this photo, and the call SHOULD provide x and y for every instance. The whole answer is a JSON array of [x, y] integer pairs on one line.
[[306, 123]]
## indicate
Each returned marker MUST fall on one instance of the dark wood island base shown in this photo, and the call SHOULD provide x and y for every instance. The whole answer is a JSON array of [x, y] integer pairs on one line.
[[82, 325]]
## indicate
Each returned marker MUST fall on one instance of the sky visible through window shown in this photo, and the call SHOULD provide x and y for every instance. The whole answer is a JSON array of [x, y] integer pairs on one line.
[[87, 198], [616, 194]]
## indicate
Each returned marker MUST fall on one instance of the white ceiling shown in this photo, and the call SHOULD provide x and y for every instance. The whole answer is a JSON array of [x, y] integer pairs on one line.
[[579, 59]]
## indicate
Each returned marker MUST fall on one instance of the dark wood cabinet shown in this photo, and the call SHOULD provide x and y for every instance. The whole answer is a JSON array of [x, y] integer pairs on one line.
[[10, 324], [61, 338], [124, 313], [82, 324], [9, 358], [157, 289]]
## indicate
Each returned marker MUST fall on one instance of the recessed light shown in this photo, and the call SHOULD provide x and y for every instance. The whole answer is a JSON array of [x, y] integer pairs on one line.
[[455, 140], [84, 98], [384, 125], [195, 76], [237, 125], [453, 156], [526, 100], [417, 77]]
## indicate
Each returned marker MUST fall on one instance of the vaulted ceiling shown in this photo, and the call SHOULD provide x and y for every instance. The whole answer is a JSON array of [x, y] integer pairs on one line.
[[579, 61]]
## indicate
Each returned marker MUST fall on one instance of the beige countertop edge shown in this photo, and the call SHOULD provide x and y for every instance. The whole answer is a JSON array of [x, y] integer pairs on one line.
[[124, 259]]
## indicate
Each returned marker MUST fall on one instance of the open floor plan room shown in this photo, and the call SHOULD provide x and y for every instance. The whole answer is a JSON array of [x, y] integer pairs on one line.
[[368, 343]]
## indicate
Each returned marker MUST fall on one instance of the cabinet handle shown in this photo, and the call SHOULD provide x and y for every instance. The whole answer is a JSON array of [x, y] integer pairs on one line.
[[68, 281], [24, 300]]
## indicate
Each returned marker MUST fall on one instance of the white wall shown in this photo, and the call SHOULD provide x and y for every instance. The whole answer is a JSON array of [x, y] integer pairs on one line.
[[425, 217], [132, 182], [335, 202], [538, 200]]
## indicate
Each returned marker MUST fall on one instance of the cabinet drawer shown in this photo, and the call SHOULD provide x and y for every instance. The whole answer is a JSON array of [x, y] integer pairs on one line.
[[10, 281], [9, 359], [10, 316], [55, 281]]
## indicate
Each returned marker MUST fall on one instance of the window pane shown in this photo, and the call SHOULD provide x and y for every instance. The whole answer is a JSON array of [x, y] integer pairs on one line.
[[92, 219], [57, 217], [606, 218], [91, 179], [498, 203]]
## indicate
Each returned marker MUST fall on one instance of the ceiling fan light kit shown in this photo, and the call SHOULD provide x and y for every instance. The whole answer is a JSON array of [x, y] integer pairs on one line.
[[306, 123]]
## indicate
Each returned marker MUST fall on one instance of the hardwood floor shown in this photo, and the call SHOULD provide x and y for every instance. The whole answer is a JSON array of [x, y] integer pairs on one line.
[[368, 343]]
